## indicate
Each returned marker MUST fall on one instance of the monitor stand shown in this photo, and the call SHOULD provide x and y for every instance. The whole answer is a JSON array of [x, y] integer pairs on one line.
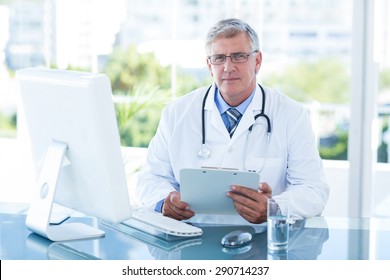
[[38, 217]]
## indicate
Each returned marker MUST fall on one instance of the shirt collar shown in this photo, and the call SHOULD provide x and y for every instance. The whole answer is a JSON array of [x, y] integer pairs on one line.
[[223, 106]]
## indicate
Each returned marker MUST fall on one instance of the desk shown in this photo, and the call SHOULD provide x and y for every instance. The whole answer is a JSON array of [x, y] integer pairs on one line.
[[320, 238]]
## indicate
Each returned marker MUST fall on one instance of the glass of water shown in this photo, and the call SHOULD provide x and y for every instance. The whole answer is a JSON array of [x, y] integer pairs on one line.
[[277, 225]]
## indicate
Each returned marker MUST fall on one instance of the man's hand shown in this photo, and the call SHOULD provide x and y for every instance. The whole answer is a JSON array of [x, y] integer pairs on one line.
[[175, 208], [251, 204]]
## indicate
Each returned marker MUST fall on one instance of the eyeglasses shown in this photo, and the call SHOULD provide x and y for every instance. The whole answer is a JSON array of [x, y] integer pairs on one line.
[[240, 57]]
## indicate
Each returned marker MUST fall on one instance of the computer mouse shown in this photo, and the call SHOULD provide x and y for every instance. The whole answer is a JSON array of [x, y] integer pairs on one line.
[[236, 239]]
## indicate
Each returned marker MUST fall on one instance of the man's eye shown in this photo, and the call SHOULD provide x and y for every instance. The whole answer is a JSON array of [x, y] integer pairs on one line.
[[239, 56], [219, 57]]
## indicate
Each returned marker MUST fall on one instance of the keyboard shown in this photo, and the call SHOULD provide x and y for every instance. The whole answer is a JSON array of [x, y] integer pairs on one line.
[[155, 223]]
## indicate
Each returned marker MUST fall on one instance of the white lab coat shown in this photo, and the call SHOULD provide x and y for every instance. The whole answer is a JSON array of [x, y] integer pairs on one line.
[[293, 167]]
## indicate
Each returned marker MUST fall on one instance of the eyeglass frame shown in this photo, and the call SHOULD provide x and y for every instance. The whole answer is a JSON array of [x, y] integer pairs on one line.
[[231, 57]]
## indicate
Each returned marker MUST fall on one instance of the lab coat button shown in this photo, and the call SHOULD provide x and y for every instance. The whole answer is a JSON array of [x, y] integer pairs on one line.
[[230, 150]]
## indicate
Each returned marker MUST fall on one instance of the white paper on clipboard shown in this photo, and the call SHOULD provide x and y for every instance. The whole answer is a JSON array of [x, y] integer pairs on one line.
[[205, 189]]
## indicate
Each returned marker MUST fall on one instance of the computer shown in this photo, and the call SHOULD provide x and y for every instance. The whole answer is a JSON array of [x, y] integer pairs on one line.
[[73, 132]]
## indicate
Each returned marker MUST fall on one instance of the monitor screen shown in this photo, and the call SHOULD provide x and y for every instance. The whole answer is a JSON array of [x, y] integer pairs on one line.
[[75, 144]]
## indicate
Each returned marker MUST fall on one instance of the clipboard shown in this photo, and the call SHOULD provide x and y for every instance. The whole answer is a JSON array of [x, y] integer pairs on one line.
[[205, 189]]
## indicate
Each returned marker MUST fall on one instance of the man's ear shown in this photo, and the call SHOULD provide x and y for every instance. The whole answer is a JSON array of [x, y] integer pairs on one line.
[[259, 60], [209, 67]]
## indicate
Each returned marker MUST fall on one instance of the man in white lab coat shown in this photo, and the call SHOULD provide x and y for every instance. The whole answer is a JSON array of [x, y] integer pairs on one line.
[[281, 146]]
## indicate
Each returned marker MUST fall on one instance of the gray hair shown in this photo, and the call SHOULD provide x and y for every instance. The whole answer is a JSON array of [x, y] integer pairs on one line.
[[229, 28]]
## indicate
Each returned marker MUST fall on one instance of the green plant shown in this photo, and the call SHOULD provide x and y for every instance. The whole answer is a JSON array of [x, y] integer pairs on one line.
[[7, 125], [324, 80], [338, 151], [137, 114], [128, 69]]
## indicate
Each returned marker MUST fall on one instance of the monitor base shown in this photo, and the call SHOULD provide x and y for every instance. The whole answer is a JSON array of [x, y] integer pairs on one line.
[[39, 213]]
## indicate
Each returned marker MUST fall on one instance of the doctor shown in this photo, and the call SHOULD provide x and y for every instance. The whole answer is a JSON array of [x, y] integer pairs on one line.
[[265, 132]]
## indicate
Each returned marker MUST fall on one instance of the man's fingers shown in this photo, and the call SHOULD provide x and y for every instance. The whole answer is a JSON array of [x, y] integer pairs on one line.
[[175, 208], [265, 188]]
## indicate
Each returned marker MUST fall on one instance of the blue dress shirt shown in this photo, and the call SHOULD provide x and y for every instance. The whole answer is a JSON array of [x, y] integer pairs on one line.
[[223, 106]]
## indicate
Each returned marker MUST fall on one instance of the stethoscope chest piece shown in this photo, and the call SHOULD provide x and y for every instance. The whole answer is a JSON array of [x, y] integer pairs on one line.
[[204, 153]]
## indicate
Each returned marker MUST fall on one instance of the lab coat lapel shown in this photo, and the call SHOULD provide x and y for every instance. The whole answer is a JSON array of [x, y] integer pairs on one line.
[[213, 116]]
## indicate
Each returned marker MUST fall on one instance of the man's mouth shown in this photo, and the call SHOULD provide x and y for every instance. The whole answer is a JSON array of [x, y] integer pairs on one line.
[[230, 79]]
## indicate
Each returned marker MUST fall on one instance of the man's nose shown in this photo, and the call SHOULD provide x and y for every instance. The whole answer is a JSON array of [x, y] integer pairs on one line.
[[229, 65]]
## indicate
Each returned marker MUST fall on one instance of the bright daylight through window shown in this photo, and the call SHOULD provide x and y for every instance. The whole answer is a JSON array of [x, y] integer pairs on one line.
[[153, 53]]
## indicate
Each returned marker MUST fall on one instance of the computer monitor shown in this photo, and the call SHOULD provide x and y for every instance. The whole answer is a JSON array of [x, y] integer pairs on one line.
[[76, 151]]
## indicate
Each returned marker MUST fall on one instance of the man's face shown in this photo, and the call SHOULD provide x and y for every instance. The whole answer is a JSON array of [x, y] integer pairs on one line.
[[235, 81]]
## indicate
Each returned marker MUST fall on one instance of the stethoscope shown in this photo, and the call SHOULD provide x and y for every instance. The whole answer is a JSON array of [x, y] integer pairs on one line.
[[204, 152]]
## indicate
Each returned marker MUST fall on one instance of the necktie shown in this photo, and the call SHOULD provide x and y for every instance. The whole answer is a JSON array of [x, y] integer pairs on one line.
[[233, 116]]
